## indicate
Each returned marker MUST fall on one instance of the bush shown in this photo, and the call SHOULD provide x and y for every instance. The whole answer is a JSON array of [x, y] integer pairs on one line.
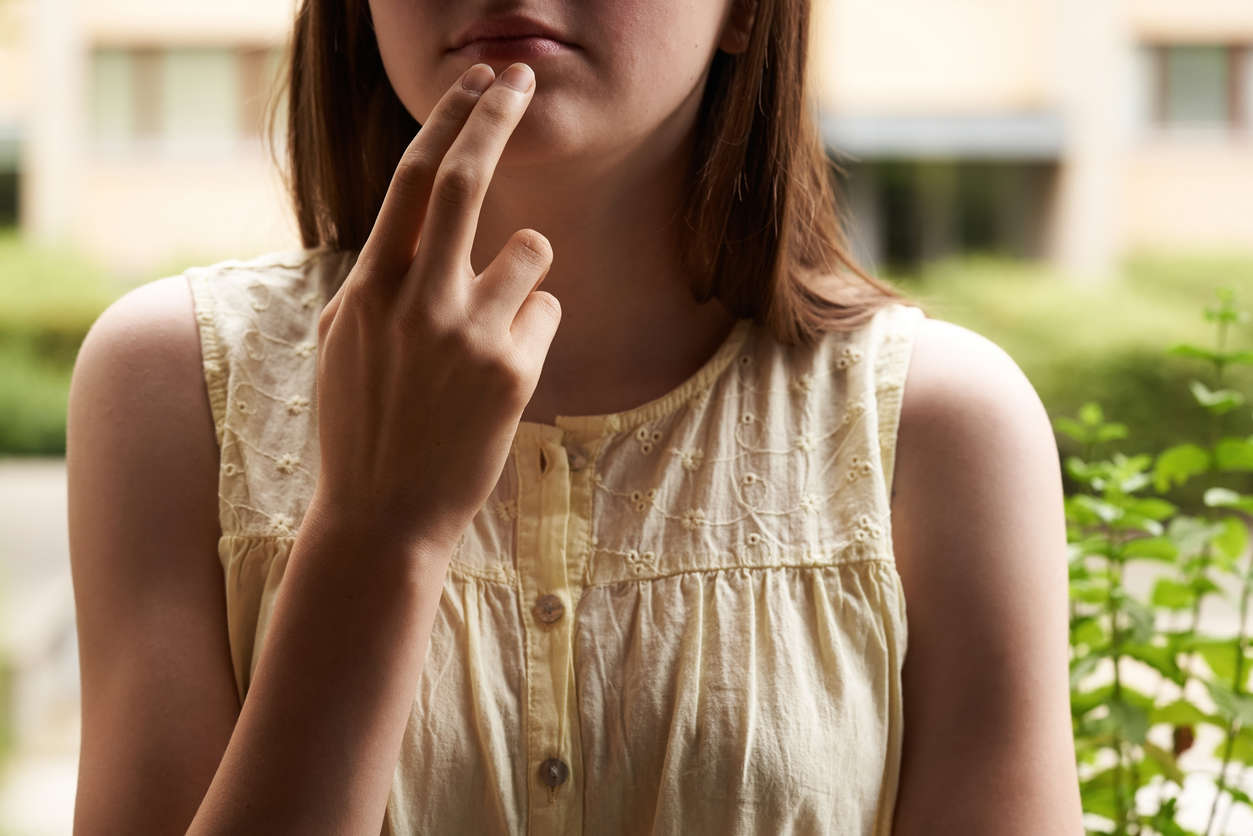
[[1121, 513]]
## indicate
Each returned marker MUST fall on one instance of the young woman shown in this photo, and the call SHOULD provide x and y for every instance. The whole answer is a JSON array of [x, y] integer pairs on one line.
[[570, 479]]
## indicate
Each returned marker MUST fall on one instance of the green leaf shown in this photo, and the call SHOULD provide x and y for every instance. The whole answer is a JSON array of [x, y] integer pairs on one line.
[[1181, 713], [1193, 352], [1220, 655], [1160, 659], [1090, 632], [1154, 509], [1164, 759], [1193, 534], [1178, 464], [1103, 511], [1090, 592], [1111, 432], [1241, 749], [1234, 538], [1173, 595], [1217, 401], [1072, 428], [1143, 622], [1131, 720], [1234, 454], [1223, 498], [1081, 668], [1161, 549], [1091, 414]]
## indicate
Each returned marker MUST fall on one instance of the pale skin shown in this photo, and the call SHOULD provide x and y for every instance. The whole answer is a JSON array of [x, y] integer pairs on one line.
[[977, 520]]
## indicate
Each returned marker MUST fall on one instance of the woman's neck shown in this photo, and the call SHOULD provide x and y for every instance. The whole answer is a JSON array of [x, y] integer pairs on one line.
[[630, 329]]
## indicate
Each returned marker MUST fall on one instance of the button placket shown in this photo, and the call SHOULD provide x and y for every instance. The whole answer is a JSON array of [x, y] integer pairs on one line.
[[553, 748]]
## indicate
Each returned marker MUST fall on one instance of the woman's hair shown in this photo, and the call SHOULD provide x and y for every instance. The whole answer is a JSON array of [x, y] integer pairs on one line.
[[765, 237]]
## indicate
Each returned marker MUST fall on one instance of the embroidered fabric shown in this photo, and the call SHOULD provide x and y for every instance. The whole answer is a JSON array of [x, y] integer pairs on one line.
[[730, 628]]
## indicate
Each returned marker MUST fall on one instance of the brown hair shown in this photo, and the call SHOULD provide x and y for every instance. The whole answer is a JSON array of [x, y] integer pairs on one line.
[[761, 197]]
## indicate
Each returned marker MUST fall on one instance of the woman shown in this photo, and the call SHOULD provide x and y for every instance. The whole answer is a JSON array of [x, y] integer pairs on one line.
[[660, 587]]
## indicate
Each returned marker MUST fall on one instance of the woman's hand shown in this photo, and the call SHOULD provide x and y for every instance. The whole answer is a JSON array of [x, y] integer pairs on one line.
[[424, 368]]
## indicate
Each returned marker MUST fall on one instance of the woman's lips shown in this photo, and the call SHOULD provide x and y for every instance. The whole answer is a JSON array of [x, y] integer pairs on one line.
[[518, 49]]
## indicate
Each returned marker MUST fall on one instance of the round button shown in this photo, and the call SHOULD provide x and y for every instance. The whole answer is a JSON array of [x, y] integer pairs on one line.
[[548, 608], [554, 772]]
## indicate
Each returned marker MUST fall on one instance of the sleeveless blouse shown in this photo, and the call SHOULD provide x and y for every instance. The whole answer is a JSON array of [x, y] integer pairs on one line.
[[683, 618]]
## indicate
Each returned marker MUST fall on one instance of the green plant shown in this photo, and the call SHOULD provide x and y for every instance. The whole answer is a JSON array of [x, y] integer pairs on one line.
[[1119, 517]]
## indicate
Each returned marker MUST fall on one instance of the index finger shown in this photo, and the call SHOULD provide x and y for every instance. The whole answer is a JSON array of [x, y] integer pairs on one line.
[[394, 236]]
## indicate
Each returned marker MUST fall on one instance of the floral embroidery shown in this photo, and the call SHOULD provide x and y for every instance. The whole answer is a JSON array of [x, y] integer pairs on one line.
[[647, 438], [641, 561], [642, 499], [749, 479], [242, 406], [859, 466], [753, 538], [231, 469], [287, 464], [306, 349], [691, 459], [693, 519], [282, 524], [746, 418], [802, 383], [506, 509], [297, 404], [309, 300], [809, 503], [848, 357], [805, 441]]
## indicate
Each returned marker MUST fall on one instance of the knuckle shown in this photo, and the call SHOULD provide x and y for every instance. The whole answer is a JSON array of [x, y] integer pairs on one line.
[[412, 171], [457, 183], [496, 111]]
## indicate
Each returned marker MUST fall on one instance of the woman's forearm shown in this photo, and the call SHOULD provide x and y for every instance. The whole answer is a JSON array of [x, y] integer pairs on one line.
[[319, 733]]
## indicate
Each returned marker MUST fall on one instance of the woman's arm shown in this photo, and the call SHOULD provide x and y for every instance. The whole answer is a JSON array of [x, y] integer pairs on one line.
[[980, 542], [316, 744]]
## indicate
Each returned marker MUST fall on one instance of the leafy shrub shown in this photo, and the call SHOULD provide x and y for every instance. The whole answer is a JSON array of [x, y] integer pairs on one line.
[[1126, 738]]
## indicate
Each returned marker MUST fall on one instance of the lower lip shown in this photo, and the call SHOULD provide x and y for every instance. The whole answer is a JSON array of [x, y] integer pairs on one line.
[[504, 49]]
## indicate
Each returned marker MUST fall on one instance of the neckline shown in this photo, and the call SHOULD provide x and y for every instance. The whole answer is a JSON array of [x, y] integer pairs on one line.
[[590, 426]]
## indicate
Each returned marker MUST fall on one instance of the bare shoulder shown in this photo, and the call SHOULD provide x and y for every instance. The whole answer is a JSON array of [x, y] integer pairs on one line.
[[141, 464], [979, 540], [138, 407]]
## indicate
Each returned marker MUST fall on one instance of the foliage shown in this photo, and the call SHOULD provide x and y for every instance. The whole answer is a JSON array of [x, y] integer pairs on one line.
[[1126, 739]]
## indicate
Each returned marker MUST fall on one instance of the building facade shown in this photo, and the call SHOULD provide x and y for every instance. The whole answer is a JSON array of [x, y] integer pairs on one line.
[[1072, 130]]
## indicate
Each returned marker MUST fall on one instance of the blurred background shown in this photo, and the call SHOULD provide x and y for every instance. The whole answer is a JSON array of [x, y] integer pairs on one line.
[[1070, 178]]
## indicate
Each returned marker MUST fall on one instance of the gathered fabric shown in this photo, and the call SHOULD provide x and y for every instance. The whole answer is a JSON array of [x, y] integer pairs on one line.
[[682, 618]]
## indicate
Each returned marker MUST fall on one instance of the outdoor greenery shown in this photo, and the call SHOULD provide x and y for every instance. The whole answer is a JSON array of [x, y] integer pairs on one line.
[[1122, 513]]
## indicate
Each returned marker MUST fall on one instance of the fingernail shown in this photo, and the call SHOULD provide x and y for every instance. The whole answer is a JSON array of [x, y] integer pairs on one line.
[[478, 78], [518, 76]]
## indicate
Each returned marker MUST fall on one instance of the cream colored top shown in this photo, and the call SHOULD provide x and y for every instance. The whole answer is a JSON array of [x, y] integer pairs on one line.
[[683, 618]]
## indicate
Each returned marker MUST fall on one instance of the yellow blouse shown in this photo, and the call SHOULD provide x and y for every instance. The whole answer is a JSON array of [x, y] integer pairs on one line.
[[683, 618]]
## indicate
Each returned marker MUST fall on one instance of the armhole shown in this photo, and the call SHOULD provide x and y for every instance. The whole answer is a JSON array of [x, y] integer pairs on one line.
[[893, 351], [213, 358]]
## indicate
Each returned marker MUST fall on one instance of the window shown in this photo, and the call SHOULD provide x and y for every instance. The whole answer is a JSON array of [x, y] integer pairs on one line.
[[1200, 85], [174, 100]]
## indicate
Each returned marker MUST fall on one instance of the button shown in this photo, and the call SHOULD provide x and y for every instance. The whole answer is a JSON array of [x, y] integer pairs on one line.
[[578, 459], [554, 772], [548, 608]]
